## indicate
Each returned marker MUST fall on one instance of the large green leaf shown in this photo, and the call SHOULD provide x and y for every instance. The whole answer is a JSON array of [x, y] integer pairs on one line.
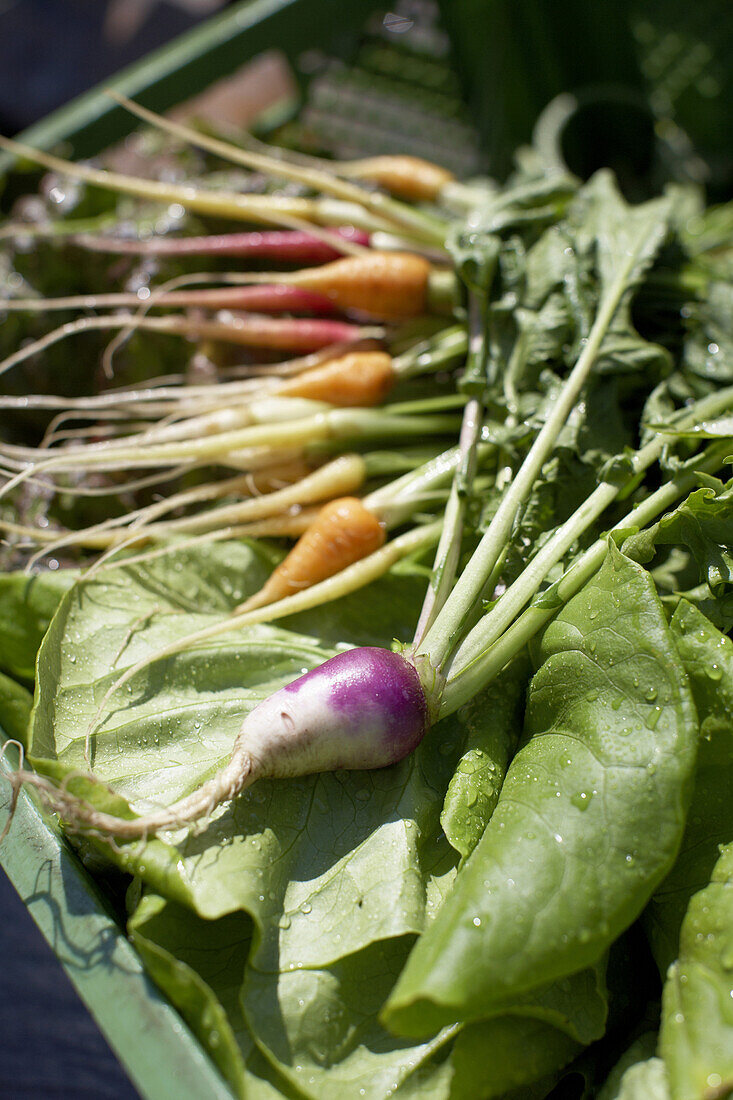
[[15, 708], [708, 658], [298, 851], [474, 788], [703, 525], [589, 818], [492, 1057], [696, 1037], [199, 966], [27, 605], [320, 1027], [316, 1030], [626, 238]]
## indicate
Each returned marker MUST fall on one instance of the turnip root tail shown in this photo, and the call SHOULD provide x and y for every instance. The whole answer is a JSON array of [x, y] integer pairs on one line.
[[81, 816], [364, 708]]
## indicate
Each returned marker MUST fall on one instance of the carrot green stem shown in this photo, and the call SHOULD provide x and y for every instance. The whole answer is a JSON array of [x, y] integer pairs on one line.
[[426, 226], [337, 478], [222, 204], [437, 353], [232, 447]]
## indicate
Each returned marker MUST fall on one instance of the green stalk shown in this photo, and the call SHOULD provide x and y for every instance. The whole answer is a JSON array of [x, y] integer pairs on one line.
[[340, 477], [448, 553], [449, 626], [433, 355], [60, 229], [492, 625], [400, 499], [334, 424], [472, 671], [221, 204], [442, 403]]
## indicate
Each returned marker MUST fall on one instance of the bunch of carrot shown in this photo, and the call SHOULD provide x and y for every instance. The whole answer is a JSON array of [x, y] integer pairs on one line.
[[362, 316]]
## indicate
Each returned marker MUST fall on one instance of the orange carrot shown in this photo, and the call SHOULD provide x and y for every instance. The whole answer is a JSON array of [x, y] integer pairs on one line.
[[358, 380], [344, 532], [388, 285], [406, 177]]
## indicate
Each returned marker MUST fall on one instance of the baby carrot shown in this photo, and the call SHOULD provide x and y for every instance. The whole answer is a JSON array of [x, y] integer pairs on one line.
[[344, 532], [288, 246], [357, 380], [388, 285], [406, 177]]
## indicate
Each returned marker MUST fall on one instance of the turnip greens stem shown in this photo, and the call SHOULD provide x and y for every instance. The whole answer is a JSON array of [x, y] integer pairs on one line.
[[450, 624], [472, 669], [449, 548]]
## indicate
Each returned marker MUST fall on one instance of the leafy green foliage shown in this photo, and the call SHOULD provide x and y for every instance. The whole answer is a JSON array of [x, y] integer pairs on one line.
[[199, 965], [518, 1050], [15, 708], [27, 605], [696, 1036], [569, 857], [708, 658], [703, 525]]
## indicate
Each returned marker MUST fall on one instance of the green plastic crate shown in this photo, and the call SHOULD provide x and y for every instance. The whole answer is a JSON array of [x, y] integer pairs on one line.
[[514, 56], [157, 1049]]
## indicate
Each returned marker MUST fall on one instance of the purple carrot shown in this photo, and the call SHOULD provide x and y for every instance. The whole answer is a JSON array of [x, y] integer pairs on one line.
[[280, 245], [299, 334], [364, 708], [265, 297], [275, 298], [283, 333]]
